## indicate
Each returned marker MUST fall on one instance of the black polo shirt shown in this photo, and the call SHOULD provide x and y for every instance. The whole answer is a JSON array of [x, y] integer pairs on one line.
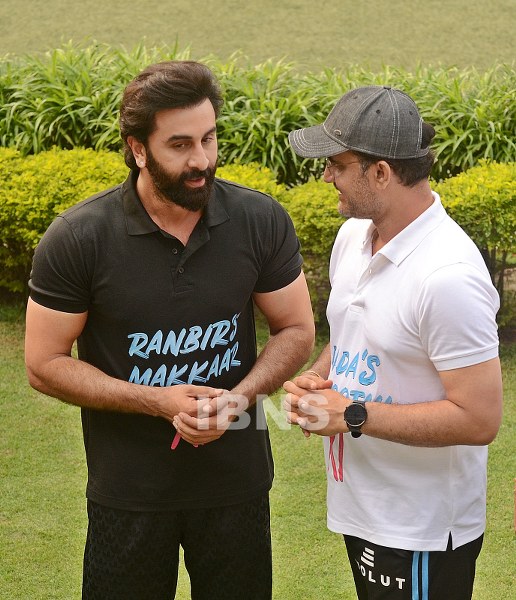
[[162, 314]]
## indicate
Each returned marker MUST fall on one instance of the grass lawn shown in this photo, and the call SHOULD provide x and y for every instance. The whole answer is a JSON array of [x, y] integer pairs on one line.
[[42, 511], [333, 34]]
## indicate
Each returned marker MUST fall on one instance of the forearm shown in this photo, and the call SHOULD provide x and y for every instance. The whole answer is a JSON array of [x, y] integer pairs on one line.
[[283, 354], [77, 382], [322, 365], [470, 414], [428, 424], [52, 370]]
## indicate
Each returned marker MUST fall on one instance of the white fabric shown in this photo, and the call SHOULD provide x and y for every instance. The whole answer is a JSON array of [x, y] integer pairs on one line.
[[424, 303]]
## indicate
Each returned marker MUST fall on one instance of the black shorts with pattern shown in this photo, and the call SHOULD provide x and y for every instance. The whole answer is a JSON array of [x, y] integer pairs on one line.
[[135, 555]]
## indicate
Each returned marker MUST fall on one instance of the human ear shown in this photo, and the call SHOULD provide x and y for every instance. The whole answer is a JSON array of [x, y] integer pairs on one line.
[[382, 173], [138, 150]]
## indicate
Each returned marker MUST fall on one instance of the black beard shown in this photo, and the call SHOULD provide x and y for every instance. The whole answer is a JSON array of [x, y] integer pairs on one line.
[[173, 189]]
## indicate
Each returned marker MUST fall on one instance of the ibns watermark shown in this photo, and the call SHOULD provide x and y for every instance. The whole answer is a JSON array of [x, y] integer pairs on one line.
[[233, 409]]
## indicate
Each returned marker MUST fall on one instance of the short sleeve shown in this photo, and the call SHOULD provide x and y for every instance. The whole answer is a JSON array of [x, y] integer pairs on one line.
[[59, 277], [282, 260], [457, 311]]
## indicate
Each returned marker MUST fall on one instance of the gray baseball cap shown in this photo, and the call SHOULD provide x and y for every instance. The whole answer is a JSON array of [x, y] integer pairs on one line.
[[377, 120]]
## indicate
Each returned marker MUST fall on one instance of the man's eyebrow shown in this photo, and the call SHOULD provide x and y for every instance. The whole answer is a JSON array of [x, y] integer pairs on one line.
[[180, 136]]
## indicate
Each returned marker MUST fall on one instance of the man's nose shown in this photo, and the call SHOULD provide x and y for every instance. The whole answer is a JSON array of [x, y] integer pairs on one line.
[[327, 175], [198, 159]]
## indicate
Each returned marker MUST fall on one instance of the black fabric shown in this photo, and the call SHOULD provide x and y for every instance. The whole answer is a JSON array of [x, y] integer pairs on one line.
[[162, 314], [382, 573], [135, 555]]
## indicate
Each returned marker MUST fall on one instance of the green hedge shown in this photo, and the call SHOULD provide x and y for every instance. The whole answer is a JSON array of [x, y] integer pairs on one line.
[[69, 98], [38, 187], [254, 176]]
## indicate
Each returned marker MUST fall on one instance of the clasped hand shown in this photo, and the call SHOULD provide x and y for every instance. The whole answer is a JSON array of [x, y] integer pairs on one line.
[[201, 414], [311, 404]]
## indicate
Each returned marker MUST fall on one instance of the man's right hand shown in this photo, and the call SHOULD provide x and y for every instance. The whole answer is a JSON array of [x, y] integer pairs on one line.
[[310, 380], [189, 399]]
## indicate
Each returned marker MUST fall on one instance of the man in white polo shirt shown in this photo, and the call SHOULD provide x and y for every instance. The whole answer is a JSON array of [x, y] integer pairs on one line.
[[408, 392]]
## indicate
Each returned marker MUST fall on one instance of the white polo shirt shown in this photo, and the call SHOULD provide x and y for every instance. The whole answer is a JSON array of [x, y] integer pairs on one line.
[[424, 303]]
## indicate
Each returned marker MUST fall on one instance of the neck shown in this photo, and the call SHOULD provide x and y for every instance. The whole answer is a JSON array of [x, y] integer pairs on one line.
[[169, 217], [405, 206]]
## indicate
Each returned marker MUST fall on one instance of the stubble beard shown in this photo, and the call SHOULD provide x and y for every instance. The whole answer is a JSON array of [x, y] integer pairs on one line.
[[362, 204]]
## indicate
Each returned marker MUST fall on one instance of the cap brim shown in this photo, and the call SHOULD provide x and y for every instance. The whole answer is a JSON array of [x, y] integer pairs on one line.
[[314, 142]]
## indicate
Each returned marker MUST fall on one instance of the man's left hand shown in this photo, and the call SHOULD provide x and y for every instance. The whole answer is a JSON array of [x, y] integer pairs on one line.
[[213, 419], [320, 411]]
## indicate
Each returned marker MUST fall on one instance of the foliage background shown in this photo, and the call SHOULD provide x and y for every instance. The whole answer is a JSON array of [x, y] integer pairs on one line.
[[70, 97]]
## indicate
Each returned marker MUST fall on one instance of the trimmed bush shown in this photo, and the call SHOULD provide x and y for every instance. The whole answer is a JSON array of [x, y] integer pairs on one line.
[[313, 209], [37, 188], [482, 200], [254, 176]]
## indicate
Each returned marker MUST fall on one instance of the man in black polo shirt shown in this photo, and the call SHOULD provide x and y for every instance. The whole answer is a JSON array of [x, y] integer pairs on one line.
[[155, 279]]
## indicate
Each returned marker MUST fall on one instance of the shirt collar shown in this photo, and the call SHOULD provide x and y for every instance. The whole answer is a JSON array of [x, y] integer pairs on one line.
[[138, 221], [407, 240]]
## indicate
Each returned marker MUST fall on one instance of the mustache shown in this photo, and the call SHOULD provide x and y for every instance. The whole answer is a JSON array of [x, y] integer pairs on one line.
[[197, 174]]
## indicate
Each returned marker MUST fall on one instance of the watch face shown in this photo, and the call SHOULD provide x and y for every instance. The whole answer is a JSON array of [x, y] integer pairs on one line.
[[355, 415]]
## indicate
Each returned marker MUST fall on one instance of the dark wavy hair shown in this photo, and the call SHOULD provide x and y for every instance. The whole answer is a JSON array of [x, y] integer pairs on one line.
[[164, 85]]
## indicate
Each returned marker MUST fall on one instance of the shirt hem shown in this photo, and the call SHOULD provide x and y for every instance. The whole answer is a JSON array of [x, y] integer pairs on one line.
[[188, 503], [413, 544]]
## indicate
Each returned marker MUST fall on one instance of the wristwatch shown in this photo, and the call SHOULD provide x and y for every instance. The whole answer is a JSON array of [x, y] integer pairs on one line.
[[355, 416]]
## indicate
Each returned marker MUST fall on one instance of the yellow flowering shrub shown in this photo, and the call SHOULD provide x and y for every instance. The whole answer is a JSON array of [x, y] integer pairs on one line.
[[483, 201], [254, 176], [36, 188]]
